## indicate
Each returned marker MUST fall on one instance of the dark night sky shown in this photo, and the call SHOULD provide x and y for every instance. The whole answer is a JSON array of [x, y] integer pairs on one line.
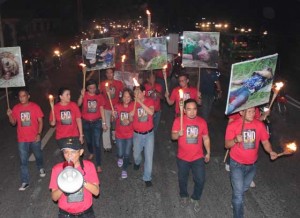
[[282, 14]]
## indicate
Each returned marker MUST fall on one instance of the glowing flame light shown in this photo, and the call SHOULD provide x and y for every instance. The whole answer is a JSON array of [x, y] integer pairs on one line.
[[135, 82], [82, 64], [278, 86], [165, 67], [123, 58], [50, 97], [292, 146], [180, 94], [106, 84], [148, 12]]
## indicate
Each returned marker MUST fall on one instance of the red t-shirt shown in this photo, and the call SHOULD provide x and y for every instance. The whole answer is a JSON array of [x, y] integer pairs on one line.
[[123, 130], [190, 146], [254, 132], [66, 125], [237, 115], [89, 175], [115, 88], [27, 121], [159, 73], [143, 122], [189, 92], [91, 106], [150, 93]]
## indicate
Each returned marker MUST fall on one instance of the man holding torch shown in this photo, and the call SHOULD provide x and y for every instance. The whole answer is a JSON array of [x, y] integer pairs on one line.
[[191, 132], [143, 138], [111, 90], [242, 138], [188, 92]]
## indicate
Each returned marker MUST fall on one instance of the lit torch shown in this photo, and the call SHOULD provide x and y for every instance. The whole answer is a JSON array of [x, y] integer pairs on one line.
[[289, 149], [51, 101], [137, 89], [276, 90], [149, 23], [84, 74], [165, 78], [123, 68], [181, 108], [109, 98]]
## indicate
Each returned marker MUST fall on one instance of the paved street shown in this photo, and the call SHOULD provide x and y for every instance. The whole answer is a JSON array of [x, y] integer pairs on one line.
[[277, 193]]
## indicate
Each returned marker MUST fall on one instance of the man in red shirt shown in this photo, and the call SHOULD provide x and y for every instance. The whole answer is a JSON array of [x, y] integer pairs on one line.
[[154, 91], [114, 89], [143, 138], [29, 119], [190, 154], [188, 92], [243, 142]]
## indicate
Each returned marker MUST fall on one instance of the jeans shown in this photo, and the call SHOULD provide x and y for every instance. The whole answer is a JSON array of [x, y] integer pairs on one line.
[[156, 119], [237, 98], [207, 102], [106, 134], [124, 149], [145, 142], [24, 148], [93, 137], [198, 171], [241, 176], [89, 214]]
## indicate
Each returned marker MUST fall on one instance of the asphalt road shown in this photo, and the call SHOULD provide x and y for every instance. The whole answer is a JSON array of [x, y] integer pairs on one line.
[[277, 193]]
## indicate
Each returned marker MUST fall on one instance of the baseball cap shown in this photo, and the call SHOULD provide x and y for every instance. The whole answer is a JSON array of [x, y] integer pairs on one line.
[[70, 142]]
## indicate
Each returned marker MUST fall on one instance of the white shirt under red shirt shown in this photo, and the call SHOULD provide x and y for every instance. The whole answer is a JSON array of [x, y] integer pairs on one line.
[[190, 145], [189, 92], [27, 121], [142, 121], [246, 152]]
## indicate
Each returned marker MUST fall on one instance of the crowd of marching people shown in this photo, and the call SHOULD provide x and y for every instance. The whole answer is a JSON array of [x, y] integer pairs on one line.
[[110, 113]]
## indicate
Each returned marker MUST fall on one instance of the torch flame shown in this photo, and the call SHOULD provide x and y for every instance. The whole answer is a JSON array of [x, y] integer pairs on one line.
[[292, 146], [82, 64], [266, 109], [278, 86], [123, 58], [165, 67], [50, 97], [106, 84], [180, 93], [148, 12], [135, 82]]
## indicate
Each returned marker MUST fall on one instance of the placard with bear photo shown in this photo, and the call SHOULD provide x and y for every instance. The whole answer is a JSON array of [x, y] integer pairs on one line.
[[11, 68]]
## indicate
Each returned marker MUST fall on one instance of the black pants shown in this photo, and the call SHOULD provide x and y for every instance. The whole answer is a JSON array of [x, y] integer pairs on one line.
[[89, 213]]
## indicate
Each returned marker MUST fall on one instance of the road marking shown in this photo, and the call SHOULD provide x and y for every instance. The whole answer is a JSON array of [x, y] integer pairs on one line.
[[292, 99], [44, 141]]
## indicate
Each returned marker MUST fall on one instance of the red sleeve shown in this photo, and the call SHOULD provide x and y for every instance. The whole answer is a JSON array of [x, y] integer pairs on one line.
[[204, 128], [76, 110], [176, 125], [174, 94]]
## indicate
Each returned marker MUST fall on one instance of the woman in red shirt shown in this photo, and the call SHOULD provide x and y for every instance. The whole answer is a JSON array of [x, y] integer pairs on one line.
[[124, 130], [67, 117], [93, 119]]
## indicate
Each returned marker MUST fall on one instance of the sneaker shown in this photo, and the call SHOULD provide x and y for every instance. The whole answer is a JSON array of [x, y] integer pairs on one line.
[[252, 184], [227, 167], [124, 174], [196, 205], [136, 167], [120, 162], [24, 186], [184, 201], [148, 184], [42, 172]]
